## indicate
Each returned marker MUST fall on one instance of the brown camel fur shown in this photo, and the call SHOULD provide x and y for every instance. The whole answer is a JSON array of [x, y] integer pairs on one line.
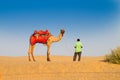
[[50, 40]]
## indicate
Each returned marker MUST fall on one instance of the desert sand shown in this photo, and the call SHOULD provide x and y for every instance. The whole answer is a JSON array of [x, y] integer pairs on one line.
[[60, 68]]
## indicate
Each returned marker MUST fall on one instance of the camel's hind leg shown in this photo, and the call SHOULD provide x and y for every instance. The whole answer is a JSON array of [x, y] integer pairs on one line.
[[30, 51]]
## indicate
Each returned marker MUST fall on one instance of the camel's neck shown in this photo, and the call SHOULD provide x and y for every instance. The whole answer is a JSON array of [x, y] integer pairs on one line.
[[56, 38]]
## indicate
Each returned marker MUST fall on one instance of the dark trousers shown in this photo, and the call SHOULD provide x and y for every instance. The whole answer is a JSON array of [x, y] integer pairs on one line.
[[75, 56]]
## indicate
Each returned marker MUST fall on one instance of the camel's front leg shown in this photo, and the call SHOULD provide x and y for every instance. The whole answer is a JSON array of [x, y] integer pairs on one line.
[[48, 53]]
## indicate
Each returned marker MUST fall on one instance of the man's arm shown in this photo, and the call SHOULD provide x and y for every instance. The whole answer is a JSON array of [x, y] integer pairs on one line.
[[81, 45], [75, 45]]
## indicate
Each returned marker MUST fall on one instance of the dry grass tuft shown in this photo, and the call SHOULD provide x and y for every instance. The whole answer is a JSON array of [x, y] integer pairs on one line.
[[114, 57]]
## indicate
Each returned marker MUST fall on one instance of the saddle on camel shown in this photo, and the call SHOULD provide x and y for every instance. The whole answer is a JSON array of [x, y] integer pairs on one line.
[[40, 37]]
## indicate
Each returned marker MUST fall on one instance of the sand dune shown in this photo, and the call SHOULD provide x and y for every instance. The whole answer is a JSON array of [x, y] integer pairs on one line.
[[60, 68]]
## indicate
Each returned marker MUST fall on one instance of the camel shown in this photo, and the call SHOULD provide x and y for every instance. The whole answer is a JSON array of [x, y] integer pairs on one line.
[[47, 40]]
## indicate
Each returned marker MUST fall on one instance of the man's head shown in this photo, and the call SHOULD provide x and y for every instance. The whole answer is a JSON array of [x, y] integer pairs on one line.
[[78, 39]]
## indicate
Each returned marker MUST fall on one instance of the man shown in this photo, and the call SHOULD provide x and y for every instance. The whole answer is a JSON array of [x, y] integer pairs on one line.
[[78, 50]]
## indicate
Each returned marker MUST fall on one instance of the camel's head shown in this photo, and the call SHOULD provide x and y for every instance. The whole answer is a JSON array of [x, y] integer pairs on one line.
[[62, 31]]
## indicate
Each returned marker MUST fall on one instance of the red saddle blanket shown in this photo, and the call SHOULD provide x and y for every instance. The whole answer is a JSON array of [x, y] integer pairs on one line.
[[39, 37]]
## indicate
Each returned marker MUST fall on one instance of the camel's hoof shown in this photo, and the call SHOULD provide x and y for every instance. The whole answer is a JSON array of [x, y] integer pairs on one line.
[[48, 59], [29, 60], [34, 60]]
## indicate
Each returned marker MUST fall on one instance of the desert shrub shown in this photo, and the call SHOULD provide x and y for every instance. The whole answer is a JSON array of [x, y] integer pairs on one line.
[[114, 56]]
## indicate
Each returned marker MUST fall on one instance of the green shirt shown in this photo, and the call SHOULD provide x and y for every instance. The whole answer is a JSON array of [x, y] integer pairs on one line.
[[78, 46]]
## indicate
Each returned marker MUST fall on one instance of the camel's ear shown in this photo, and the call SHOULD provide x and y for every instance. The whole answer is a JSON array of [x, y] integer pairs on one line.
[[62, 31]]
